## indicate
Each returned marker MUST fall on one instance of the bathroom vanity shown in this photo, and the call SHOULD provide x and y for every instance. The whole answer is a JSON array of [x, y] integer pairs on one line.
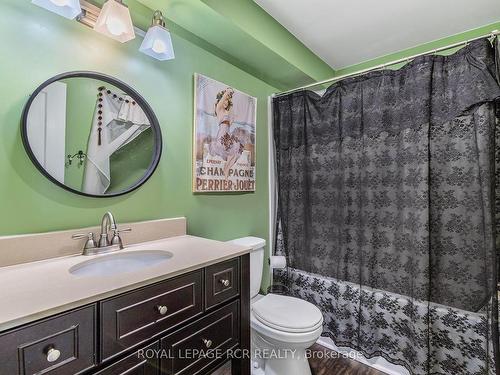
[[178, 316]]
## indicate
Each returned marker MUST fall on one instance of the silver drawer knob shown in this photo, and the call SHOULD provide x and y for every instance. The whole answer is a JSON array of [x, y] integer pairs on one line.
[[208, 343], [53, 355], [224, 282], [162, 309]]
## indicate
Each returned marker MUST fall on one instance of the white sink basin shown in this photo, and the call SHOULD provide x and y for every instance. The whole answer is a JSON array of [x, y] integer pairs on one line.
[[120, 262]]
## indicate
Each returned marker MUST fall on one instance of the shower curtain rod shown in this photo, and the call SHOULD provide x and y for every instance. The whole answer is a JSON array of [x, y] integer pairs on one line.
[[493, 34]]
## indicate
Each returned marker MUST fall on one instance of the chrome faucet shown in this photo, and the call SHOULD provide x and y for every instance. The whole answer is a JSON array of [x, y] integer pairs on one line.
[[108, 224]]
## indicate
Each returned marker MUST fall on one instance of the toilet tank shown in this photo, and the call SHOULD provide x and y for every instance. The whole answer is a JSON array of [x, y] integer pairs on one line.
[[256, 261]]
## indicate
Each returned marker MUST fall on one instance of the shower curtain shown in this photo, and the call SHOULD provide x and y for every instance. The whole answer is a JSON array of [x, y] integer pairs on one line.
[[386, 209]]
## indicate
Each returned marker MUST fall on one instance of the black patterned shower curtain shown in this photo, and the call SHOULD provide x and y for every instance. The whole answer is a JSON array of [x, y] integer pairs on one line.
[[386, 209]]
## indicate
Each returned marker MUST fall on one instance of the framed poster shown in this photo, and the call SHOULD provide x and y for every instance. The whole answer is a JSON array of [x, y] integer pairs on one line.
[[224, 138]]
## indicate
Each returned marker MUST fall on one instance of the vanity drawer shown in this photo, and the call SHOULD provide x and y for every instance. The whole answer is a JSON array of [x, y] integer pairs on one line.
[[137, 363], [222, 282], [64, 344], [134, 317], [214, 333]]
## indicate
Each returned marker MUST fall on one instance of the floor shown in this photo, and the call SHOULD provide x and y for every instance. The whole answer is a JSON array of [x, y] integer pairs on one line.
[[325, 362]]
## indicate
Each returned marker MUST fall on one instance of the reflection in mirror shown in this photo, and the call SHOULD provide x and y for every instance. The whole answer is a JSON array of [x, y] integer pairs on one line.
[[90, 136]]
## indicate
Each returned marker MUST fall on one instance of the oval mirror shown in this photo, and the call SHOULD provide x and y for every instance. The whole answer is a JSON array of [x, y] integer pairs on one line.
[[91, 134]]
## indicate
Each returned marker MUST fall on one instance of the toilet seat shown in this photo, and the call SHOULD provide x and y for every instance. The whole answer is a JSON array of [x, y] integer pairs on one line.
[[287, 339], [287, 314]]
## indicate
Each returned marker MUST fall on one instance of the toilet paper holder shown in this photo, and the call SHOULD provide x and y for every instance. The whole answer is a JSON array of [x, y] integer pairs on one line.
[[277, 262]]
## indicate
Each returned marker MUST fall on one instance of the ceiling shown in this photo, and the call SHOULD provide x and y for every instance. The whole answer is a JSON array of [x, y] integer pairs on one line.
[[348, 32], [240, 32]]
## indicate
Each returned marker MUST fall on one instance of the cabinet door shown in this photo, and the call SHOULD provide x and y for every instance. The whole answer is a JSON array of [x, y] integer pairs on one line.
[[194, 348], [142, 362], [60, 345]]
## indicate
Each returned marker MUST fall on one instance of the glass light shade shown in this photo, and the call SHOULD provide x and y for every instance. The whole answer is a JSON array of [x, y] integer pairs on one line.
[[67, 8], [158, 44], [114, 21]]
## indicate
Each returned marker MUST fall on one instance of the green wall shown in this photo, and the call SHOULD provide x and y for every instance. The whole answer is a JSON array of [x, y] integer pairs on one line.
[[43, 45]]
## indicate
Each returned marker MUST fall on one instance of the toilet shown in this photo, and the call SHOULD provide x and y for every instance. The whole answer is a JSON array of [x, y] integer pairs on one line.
[[282, 327]]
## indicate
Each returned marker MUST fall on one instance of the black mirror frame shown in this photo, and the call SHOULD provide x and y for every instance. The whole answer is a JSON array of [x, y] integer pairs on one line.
[[122, 86]]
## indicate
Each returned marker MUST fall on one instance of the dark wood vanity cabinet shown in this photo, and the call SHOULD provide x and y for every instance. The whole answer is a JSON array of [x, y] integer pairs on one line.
[[183, 325]]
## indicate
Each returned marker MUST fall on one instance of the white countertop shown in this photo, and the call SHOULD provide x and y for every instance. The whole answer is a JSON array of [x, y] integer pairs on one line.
[[31, 291]]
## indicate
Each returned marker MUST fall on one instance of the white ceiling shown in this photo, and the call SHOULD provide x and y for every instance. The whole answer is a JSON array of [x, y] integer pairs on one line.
[[347, 32]]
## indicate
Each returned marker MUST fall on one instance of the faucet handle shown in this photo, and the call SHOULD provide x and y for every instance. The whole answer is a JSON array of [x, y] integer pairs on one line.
[[90, 244], [79, 236], [125, 230], [117, 240]]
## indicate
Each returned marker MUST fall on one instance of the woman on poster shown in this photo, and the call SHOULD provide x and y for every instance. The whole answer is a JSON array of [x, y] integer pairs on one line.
[[226, 145]]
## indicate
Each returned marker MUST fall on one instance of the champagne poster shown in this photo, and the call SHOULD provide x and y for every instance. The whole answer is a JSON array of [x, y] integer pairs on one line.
[[224, 138]]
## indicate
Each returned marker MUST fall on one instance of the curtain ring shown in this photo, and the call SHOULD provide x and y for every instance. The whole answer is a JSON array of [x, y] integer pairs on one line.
[[494, 37]]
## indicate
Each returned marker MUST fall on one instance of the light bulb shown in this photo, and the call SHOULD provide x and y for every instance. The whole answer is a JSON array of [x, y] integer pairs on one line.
[[159, 46], [115, 26], [60, 3]]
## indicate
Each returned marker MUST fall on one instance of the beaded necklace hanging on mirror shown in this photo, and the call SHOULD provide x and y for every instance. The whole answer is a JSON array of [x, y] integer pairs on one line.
[[99, 123]]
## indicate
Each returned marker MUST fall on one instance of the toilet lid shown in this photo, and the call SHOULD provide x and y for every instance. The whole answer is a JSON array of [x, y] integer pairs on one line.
[[287, 313]]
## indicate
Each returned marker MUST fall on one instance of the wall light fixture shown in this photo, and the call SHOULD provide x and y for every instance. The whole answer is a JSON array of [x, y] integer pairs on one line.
[[158, 43], [67, 8], [114, 21]]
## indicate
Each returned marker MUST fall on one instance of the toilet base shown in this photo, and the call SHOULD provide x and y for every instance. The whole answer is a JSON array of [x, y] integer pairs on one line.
[[297, 364], [281, 352]]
